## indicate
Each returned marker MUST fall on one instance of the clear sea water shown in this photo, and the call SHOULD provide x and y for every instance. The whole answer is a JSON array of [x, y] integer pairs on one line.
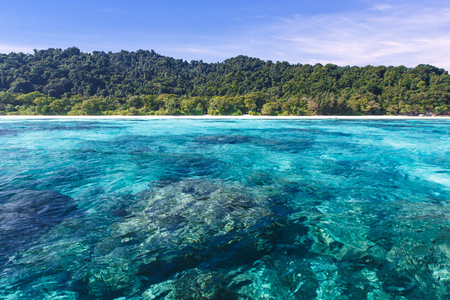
[[224, 209]]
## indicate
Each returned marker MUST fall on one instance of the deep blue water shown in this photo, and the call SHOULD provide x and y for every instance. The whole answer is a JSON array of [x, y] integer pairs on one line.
[[224, 209]]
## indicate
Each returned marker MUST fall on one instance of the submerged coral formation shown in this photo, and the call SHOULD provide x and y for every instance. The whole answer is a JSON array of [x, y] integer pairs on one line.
[[324, 212]]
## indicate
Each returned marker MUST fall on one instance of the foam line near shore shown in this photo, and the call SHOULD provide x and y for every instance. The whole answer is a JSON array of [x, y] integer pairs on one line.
[[246, 117]]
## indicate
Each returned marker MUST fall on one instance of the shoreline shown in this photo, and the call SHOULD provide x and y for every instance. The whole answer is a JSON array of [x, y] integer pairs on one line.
[[243, 117]]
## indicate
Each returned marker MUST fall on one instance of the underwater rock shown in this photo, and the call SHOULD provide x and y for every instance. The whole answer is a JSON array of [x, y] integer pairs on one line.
[[290, 146], [382, 246], [206, 227], [191, 165], [223, 139], [8, 132], [195, 284], [27, 214]]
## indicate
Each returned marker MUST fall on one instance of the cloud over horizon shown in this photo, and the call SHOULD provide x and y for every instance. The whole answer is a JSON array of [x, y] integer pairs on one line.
[[390, 35], [380, 35]]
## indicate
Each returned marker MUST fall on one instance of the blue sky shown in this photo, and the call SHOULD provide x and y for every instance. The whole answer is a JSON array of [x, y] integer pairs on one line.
[[348, 32]]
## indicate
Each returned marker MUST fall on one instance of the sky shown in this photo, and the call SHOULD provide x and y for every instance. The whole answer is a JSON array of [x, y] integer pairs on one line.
[[345, 32]]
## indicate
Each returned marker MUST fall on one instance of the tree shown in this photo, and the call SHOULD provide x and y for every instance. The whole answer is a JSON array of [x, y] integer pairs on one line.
[[21, 86], [150, 83], [271, 108], [255, 101]]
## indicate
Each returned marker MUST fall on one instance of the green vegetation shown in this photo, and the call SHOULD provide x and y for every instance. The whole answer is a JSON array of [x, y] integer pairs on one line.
[[69, 82]]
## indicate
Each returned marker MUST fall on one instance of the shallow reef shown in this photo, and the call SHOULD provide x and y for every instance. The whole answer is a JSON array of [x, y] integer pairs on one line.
[[225, 210]]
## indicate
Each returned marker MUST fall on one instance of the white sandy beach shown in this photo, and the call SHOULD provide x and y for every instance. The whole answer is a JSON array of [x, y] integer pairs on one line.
[[243, 117]]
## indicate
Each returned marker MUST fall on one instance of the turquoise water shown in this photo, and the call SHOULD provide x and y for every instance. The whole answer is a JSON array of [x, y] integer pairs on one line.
[[224, 209]]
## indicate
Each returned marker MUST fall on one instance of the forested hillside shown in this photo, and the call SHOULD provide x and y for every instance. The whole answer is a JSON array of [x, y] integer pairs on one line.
[[71, 82]]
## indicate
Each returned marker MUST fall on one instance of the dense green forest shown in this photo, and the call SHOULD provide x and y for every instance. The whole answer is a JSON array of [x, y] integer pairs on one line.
[[70, 82]]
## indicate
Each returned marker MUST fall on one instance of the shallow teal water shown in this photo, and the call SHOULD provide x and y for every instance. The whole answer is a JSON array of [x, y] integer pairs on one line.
[[224, 209]]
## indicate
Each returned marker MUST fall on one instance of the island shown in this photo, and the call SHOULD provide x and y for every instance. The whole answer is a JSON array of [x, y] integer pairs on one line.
[[74, 83]]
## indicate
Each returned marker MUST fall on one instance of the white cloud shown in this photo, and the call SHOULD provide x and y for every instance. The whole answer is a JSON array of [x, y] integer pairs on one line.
[[5, 48], [382, 7], [380, 35], [385, 35], [215, 52]]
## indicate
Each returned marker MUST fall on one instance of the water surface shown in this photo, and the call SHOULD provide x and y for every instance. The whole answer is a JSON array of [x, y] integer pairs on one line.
[[224, 209]]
